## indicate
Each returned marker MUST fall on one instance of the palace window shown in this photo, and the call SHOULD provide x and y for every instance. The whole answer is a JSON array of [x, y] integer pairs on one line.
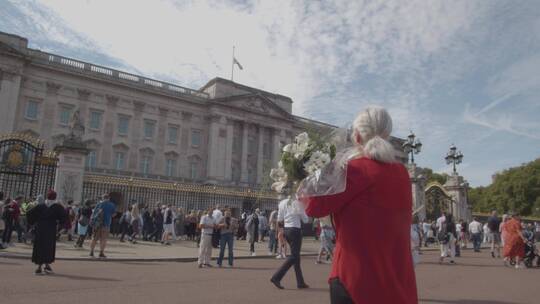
[[194, 170], [173, 135], [123, 124], [196, 138], [31, 111], [120, 160], [170, 168], [145, 164], [149, 128], [65, 115], [91, 159], [95, 120]]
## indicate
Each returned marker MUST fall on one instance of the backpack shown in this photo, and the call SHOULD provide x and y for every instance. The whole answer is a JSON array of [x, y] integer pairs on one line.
[[168, 219], [98, 219], [84, 221], [443, 234]]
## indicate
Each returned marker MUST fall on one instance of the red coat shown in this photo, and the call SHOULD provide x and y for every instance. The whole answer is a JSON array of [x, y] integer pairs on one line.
[[372, 219]]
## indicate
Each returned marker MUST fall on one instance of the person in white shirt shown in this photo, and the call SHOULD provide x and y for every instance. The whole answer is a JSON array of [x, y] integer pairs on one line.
[[486, 233], [475, 229], [440, 221], [207, 225], [292, 215]]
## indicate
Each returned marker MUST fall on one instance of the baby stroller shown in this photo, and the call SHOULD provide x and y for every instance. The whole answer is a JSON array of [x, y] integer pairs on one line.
[[531, 253]]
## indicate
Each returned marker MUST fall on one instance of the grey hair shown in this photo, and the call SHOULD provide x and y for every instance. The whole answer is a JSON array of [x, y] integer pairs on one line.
[[374, 126]]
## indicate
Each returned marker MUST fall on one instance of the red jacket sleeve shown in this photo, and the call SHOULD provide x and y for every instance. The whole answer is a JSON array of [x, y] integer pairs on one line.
[[320, 206]]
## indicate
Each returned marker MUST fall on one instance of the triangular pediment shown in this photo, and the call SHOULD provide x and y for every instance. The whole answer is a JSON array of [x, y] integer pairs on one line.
[[256, 103]]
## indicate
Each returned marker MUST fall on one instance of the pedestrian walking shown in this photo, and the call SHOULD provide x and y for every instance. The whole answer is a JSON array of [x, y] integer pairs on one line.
[[252, 231], [272, 234], [327, 237], [135, 223], [263, 225], [494, 224], [125, 223], [514, 243], [101, 224], [10, 215], [448, 239], [83, 221], [475, 229], [168, 225], [377, 194], [47, 216], [292, 218]]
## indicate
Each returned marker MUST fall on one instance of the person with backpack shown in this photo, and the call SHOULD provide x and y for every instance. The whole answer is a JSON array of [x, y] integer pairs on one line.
[[448, 238], [101, 224], [83, 221]]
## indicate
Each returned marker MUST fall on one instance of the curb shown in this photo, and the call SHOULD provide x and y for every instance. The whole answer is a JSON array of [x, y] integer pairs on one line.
[[181, 260]]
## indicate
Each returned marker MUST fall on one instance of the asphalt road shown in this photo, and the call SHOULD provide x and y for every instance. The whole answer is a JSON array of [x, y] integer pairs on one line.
[[476, 279]]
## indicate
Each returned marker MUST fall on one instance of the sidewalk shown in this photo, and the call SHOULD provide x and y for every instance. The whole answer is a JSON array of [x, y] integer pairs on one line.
[[180, 251]]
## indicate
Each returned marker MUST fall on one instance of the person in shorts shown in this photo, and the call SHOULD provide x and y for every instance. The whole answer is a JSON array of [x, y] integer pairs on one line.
[[101, 224], [493, 224]]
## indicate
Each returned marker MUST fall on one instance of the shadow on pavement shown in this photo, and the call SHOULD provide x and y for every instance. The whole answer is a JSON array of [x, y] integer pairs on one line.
[[83, 278], [253, 268], [9, 263], [465, 301], [457, 264]]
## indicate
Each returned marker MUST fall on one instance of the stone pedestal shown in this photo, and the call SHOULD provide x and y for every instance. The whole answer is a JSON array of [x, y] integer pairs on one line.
[[457, 187], [70, 172], [418, 184]]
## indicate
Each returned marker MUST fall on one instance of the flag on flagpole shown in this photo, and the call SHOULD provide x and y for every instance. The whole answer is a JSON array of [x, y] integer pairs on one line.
[[237, 63]]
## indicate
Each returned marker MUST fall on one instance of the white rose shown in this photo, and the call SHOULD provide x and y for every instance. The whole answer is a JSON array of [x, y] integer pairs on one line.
[[302, 138]]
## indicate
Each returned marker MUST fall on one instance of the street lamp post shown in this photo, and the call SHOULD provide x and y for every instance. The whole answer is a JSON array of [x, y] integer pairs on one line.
[[412, 146], [454, 157]]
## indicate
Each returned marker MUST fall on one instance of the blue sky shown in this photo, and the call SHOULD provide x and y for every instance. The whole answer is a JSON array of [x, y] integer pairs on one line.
[[462, 72]]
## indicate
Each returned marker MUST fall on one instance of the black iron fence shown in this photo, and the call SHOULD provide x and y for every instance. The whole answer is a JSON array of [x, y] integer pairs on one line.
[[186, 195]]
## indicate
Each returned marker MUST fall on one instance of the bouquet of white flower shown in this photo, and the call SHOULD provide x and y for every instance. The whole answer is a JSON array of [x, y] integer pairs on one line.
[[301, 159]]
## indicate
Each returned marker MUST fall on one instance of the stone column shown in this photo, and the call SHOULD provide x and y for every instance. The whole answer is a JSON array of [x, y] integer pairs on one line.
[[229, 149], [135, 135], [70, 171], [213, 148], [418, 184], [10, 84], [260, 155], [457, 188], [244, 160]]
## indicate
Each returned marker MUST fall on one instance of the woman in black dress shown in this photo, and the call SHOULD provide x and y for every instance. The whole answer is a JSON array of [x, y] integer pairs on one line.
[[46, 217]]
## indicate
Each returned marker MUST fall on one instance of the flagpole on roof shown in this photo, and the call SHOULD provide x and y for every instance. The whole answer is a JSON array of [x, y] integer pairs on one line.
[[232, 65]]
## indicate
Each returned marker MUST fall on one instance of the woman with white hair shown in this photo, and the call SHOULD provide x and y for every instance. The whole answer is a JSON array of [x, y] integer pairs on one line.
[[371, 267]]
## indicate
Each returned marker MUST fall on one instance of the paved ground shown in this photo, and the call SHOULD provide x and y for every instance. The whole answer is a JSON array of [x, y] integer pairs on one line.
[[142, 251], [476, 279]]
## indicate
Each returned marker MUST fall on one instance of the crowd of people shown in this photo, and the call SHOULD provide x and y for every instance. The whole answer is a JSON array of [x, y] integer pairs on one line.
[[97, 220], [516, 238]]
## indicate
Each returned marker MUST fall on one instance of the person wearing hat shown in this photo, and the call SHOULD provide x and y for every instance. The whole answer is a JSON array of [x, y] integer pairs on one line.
[[46, 217]]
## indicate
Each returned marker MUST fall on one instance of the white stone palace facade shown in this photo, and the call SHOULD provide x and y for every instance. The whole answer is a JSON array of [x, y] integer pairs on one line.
[[223, 133]]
